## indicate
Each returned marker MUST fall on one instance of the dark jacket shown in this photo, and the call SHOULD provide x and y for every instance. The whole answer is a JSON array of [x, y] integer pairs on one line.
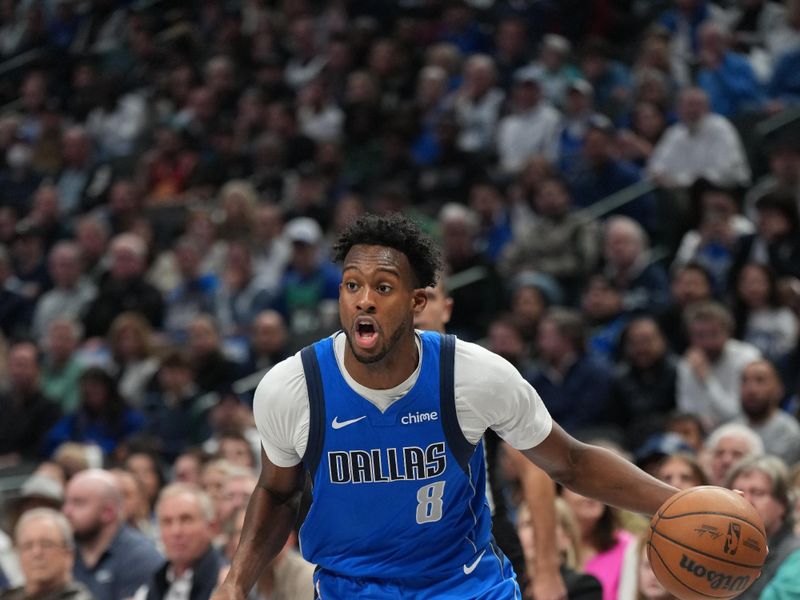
[[116, 297], [72, 591], [206, 576], [641, 399]]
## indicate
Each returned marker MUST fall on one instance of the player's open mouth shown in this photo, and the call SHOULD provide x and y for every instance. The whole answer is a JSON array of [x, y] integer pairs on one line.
[[366, 332]]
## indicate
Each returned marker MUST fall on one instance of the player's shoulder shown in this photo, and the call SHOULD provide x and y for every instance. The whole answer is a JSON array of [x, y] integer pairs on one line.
[[282, 386]]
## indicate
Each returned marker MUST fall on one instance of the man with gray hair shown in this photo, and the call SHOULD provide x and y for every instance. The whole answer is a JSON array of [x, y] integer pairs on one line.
[[764, 482], [71, 291], [113, 560], [44, 543], [728, 445], [187, 524]]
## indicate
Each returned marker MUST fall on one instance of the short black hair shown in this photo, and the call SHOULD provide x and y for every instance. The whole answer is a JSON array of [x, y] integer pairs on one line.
[[394, 231]]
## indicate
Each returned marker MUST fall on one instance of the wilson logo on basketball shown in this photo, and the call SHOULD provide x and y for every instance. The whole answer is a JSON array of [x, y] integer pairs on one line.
[[732, 539], [716, 579]]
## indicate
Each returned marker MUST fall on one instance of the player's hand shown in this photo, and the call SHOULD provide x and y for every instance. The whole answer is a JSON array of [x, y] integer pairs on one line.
[[549, 585], [227, 591]]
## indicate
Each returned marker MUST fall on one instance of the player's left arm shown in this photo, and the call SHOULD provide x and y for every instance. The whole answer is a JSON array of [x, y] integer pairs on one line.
[[598, 473]]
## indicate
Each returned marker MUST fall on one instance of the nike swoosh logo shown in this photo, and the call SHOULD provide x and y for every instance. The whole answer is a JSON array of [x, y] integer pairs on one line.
[[337, 424], [470, 568]]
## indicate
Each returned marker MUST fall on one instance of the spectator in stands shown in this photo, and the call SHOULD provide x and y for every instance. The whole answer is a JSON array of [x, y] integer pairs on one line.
[[480, 296], [726, 76], [531, 129], [18, 177], [145, 466], [309, 278], [186, 525], [175, 409], [101, 419], [112, 559], [71, 292], [194, 294], [761, 395], [574, 386], [726, 446], [92, 235], [271, 250], [626, 255], [681, 470], [610, 78], [603, 540], [133, 361], [701, 144], [212, 369], [269, 344], [558, 242], [786, 36], [644, 384], [511, 48], [783, 177], [648, 123], [764, 482], [30, 278], [61, 367], [578, 110], [47, 215], [784, 85], [241, 294], [776, 241], [600, 173], [135, 509], [82, 182], [27, 413], [555, 71], [689, 283], [718, 230], [488, 201], [124, 288], [761, 319], [601, 306], [236, 490], [15, 309], [709, 372], [477, 104], [752, 22], [46, 548]]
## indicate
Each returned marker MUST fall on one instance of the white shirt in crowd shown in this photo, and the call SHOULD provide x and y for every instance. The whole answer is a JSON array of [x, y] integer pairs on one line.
[[489, 393], [711, 150], [523, 135], [716, 399]]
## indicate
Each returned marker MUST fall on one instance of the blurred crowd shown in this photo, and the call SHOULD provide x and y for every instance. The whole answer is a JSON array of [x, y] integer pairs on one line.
[[615, 185]]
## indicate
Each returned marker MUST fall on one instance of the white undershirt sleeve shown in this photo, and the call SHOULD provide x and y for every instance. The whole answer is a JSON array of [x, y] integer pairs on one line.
[[280, 408], [491, 394]]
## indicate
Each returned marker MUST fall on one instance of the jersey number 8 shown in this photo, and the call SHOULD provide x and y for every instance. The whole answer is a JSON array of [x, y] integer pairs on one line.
[[429, 502]]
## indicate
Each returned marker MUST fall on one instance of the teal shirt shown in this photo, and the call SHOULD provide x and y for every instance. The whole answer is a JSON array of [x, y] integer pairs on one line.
[[61, 385], [786, 583]]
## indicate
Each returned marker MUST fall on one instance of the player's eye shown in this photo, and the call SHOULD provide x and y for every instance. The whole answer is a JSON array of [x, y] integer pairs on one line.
[[351, 286], [384, 289]]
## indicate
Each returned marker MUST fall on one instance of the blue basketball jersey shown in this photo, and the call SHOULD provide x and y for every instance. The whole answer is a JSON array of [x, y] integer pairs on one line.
[[400, 494]]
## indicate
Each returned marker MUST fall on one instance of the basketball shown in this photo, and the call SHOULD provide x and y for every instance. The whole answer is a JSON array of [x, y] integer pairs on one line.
[[706, 542]]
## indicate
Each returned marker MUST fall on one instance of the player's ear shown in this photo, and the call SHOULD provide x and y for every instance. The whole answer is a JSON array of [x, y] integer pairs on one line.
[[419, 299]]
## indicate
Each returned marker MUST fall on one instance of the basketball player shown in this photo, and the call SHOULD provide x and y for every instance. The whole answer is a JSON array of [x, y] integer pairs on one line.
[[537, 488], [388, 424]]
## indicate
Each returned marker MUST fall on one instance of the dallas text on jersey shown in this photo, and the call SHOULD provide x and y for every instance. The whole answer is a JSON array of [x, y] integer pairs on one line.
[[387, 464]]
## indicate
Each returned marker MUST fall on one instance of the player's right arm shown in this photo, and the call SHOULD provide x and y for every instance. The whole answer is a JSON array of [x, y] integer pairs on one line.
[[269, 518]]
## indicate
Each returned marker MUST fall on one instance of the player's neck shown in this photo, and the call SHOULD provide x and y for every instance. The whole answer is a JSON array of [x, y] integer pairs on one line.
[[392, 370]]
